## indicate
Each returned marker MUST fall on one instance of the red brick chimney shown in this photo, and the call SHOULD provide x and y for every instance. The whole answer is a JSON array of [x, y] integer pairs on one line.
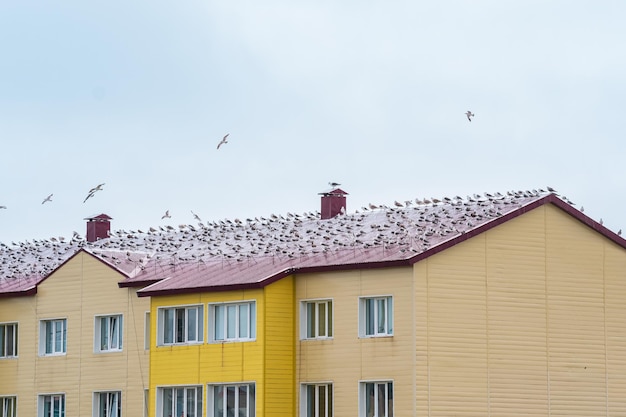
[[98, 227], [333, 203]]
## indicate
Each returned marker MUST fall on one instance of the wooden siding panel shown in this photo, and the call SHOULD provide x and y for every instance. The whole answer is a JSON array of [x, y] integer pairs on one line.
[[347, 359], [80, 289]]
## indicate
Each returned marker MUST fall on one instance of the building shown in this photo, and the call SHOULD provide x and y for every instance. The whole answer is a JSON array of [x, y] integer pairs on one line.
[[502, 304]]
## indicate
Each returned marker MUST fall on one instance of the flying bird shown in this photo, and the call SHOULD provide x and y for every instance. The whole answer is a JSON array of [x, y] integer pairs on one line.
[[469, 115], [93, 191], [166, 215], [334, 184], [49, 198], [3, 207], [223, 141], [195, 216]]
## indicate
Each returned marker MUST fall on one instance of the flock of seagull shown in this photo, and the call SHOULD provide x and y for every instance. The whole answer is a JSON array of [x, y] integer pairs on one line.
[[402, 229]]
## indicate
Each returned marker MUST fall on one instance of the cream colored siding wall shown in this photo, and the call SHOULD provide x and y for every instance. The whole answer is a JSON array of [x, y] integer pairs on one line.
[[347, 358], [526, 318], [83, 288]]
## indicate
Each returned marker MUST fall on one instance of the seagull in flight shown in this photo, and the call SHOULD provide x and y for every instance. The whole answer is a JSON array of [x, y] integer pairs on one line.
[[93, 191], [47, 199], [334, 184], [223, 141], [166, 215], [469, 115], [3, 207]]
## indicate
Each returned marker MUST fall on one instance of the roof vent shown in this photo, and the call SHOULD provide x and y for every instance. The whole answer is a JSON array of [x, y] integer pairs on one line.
[[333, 202], [98, 227]]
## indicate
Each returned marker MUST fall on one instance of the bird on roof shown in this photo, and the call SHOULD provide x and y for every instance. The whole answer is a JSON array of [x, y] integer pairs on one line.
[[469, 115], [166, 215], [223, 141], [49, 198]]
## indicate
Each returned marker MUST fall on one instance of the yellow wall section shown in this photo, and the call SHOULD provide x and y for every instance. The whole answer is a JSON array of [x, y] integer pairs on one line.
[[268, 361], [522, 320], [527, 318], [81, 289]]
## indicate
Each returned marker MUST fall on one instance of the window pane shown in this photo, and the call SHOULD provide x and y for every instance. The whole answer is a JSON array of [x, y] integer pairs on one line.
[[310, 320], [192, 324], [310, 401], [252, 322], [381, 316], [369, 399], [219, 322], [243, 321], [218, 401], [321, 331], [321, 401], [168, 326], [231, 313], [180, 325], [369, 316], [168, 402]]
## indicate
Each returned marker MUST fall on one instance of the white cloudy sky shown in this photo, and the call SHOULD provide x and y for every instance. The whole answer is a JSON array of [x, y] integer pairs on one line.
[[371, 94]]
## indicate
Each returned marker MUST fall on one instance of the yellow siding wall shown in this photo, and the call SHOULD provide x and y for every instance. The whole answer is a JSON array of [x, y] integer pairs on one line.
[[347, 359], [81, 289], [526, 318], [267, 361]]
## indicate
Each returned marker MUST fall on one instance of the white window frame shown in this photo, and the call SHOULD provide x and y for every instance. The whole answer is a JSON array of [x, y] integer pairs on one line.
[[316, 319], [173, 407], [53, 398], [221, 314], [56, 347], [314, 396], [213, 396], [184, 330], [8, 340], [107, 404], [380, 324], [8, 406], [114, 336], [380, 407]]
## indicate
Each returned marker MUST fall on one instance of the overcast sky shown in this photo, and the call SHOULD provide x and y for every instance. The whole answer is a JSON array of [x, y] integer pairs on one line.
[[369, 94]]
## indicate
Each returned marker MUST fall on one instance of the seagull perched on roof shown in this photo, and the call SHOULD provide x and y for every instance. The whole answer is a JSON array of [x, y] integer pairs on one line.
[[93, 191], [49, 198], [223, 141], [469, 115], [166, 215]]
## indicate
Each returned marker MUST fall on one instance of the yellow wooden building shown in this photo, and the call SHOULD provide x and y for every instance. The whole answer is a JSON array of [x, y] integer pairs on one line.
[[499, 305], [73, 343]]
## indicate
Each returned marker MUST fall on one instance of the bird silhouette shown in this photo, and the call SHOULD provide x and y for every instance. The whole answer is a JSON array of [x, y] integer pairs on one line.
[[3, 207], [469, 115], [223, 141], [334, 184], [93, 191], [49, 198], [166, 215]]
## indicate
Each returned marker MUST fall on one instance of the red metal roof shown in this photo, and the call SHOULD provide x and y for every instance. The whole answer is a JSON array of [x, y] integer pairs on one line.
[[253, 253]]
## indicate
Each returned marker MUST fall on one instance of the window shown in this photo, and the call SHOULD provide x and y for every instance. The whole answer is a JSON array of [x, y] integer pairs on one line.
[[317, 319], [233, 321], [231, 400], [179, 402], [317, 400], [53, 337], [52, 405], [146, 331], [8, 341], [180, 325], [107, 404], [376, 399], [8, 406], [376, 316], [109, 333]]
